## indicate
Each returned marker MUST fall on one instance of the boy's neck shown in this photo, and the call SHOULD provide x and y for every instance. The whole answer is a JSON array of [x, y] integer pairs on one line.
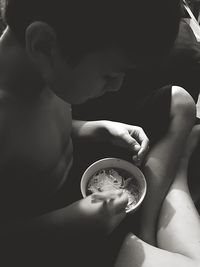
[[17, 73]]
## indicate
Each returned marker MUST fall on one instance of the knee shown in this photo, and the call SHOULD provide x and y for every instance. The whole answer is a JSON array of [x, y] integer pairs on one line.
[[196, 263], [182, 104]]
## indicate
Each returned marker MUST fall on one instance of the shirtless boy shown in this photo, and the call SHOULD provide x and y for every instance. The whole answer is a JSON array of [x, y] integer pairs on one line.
[[52, 55]]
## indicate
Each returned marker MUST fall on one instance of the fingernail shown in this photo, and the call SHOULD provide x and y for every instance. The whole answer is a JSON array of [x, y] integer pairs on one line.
[[137, 147], [134, 157], [137, 161]]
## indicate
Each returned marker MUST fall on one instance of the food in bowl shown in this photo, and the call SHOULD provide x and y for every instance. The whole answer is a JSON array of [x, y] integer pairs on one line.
[[114, 173], [114, 179]]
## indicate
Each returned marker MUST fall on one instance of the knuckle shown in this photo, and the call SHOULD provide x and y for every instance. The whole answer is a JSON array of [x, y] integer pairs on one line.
[[140, 129], [123, 135], [145, 144], [133, 142], [147, 141]]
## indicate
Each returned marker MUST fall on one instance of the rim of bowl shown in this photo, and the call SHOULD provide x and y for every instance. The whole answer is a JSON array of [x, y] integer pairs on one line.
[[123, 162]]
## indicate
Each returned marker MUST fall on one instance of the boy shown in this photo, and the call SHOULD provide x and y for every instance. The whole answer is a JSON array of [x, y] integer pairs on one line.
[[52, 55]]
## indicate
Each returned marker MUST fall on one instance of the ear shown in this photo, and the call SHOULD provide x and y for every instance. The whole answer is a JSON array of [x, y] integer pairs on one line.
[[41, 47], [114, 81]]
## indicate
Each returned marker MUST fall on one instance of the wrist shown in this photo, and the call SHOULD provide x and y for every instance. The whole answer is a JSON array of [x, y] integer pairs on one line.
[[102, 130], [94, 130]]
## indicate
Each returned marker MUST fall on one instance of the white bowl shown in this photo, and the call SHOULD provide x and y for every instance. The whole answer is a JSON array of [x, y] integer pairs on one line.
[[119, 164]]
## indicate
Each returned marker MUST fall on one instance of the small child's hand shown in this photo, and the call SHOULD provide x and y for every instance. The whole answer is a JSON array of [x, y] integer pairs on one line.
[[128, 136], [107, 209]]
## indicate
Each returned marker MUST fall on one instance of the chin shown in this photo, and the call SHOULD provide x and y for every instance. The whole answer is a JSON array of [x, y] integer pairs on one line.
[[85, 99], [79, 101]]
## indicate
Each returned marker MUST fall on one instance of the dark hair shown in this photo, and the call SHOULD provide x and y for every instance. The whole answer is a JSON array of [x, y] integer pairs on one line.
[[146, 27]]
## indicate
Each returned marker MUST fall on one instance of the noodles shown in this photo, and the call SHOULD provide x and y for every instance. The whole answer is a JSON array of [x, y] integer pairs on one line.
[[114, 179]]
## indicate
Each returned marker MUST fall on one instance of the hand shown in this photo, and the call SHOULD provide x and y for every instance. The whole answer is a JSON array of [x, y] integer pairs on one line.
[[130, 137], [107, 209]]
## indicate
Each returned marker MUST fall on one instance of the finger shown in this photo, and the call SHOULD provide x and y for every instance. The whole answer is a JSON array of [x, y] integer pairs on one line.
[[137, 161], [120, 203], [144, 148], [106, 195], [131, 143], [144, 143]]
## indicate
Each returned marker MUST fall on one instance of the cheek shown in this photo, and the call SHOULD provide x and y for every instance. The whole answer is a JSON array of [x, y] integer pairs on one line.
[[90, 86], [97, 86], [79, 85]]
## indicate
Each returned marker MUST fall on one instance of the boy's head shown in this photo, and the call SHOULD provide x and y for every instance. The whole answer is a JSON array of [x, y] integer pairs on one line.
[[86, 45]]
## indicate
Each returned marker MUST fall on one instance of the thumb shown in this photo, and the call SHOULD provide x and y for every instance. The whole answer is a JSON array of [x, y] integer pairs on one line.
[[131, 143], [120, 203]]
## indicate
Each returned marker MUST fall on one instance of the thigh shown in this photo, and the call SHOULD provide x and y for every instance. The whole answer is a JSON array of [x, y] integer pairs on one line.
[[194, 174]]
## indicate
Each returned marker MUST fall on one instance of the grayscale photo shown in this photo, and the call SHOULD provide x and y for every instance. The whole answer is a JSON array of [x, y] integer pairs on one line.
[[100, 133]]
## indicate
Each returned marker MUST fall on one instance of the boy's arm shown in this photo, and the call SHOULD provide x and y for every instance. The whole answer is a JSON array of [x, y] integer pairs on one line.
[[81, 217], [123, 135], [88, 129]]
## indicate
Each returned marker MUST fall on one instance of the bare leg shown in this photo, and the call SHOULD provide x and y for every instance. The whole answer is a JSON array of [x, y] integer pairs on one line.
[[179, 227], [179, 224], [162, 161], [194, 176]]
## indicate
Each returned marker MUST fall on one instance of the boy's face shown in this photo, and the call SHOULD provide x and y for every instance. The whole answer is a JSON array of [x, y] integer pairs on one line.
[[95, 74]]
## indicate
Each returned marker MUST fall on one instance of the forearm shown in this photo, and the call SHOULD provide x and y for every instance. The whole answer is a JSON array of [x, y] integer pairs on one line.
[[54, 237], [62, 223], [94, 130]]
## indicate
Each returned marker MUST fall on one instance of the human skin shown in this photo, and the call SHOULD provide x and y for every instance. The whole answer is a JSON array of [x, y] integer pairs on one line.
[[161, 163], [178, 233]]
